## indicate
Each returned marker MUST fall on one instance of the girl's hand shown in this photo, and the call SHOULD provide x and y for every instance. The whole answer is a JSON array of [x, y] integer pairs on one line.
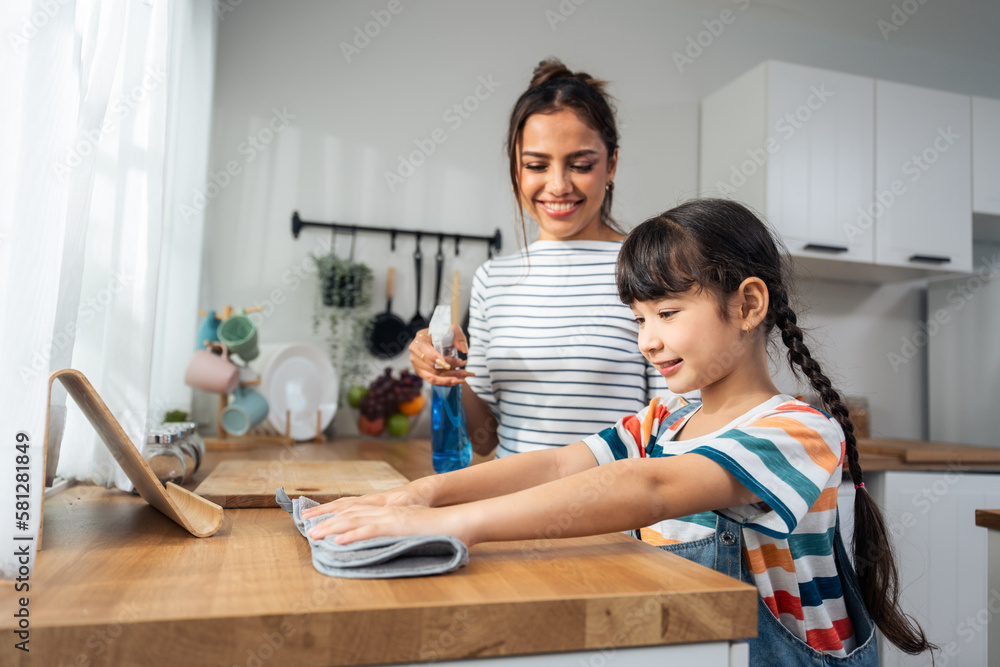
[[399, 496], [362, 522], [434, 367]]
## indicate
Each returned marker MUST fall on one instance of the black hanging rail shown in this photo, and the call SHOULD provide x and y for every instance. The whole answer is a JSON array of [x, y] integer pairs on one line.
[[493, 242]]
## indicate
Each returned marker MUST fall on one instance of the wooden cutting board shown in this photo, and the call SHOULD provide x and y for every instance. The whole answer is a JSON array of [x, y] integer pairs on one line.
[[246, 483], [917, 451]]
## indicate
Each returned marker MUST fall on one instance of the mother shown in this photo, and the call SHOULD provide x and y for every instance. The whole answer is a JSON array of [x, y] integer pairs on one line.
[[552, 356]]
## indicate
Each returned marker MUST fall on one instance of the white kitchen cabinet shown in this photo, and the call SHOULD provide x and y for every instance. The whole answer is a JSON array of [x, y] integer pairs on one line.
[[923, 176], [796, 143], [942, 558], [824, 156], [986, 156]]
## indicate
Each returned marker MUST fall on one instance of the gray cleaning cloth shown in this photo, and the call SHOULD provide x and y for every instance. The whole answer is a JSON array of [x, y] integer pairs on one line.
[[379, 557]]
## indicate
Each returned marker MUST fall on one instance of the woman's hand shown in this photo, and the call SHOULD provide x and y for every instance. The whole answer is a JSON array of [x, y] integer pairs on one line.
[[362, 522], [402, 495], [434, 367]]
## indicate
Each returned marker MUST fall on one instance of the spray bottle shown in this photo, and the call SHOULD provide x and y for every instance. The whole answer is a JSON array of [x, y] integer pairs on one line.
[[450, 444]]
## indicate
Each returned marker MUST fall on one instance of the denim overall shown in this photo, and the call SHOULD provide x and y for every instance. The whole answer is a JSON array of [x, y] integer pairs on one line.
[[774, 644]]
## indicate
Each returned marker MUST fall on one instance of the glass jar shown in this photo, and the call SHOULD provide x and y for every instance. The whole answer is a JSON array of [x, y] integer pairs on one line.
[[197, 445], [165, 458], [181, 442]]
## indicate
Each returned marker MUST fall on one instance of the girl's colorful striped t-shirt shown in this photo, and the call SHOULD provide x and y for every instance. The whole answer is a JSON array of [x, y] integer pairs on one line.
[[789, 454]]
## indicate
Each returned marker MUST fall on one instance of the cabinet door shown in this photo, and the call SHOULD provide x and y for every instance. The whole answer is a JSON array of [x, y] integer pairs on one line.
[[986, 156], [821, 172], [942, 558], [923, 191]]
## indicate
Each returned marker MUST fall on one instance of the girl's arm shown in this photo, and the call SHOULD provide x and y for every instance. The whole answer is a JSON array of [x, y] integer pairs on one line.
[[485, 480], [619, 496]]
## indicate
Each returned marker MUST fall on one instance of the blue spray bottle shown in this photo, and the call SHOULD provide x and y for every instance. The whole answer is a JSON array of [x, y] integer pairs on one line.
[[450, 444]]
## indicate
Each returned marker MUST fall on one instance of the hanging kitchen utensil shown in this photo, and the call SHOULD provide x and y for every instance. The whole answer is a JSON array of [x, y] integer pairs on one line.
[[329, 277], [351, 294], [439, 261], [389, 335], [418, 321]]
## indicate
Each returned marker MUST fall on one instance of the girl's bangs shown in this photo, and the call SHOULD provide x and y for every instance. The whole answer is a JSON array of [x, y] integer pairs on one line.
[[657, 259]]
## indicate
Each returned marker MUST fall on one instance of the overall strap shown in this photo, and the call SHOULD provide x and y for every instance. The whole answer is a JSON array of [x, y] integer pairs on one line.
[[729, 558]]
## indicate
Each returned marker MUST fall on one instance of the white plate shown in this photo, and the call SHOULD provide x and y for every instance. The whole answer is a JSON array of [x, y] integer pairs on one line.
[[299, 378]]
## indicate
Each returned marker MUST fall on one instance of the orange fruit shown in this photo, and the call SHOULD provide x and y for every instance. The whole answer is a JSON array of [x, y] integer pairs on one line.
[[412, 407]]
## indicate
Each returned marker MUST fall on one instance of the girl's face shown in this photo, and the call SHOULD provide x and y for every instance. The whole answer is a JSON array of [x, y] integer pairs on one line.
[[689, 341], [564, 169]]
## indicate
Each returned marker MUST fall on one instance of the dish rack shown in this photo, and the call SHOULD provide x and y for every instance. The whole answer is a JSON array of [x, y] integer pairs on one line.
[[262, 432]]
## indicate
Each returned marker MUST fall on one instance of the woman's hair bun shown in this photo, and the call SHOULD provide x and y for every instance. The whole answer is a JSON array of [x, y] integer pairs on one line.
[[553, 68]]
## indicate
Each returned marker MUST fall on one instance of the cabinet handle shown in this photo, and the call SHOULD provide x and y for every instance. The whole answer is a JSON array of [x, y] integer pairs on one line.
[[825, 248], [930, 259]]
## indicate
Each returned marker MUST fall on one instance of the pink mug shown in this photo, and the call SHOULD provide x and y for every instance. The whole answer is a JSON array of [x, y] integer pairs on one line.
[[212, 372]]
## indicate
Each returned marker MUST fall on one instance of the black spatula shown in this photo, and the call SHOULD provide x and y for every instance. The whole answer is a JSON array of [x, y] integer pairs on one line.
[[418, 321]]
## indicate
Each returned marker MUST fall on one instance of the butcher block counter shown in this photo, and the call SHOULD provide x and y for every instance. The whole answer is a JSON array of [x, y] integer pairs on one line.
[[118, 583]]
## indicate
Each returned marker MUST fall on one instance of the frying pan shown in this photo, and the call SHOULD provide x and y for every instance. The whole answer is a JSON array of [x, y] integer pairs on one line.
[[418, 321], [389, 335]]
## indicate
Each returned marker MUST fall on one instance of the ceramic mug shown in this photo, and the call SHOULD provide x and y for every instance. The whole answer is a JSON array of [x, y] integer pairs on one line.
[[239, 333], [248, 409], [208, 332], [210, 370]]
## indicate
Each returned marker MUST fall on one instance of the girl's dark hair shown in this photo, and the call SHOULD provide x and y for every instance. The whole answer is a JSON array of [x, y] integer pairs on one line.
[[554, 88], [714, 245]]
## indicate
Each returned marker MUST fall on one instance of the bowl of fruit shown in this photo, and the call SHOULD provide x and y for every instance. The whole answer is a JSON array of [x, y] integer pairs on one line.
[[389, 406]]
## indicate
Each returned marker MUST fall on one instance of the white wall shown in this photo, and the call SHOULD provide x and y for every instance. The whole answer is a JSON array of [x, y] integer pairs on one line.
[[353, 119]]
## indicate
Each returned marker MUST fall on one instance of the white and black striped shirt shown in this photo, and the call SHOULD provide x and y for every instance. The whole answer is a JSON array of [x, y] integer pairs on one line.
[[554, 351]]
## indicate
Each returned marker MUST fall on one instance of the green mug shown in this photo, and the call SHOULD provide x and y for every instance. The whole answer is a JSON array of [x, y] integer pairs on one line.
[[239, 334], [248, 409]]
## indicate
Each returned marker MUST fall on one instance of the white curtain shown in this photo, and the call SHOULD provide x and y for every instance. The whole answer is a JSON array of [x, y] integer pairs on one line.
[[91, 88]]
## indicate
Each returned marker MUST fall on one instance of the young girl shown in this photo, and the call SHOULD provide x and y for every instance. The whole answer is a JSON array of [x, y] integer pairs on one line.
[[744, 481], [552, 357]]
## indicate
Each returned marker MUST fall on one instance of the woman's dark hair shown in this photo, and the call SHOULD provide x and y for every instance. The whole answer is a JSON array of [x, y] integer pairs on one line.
[[714, 245], [555, 88]]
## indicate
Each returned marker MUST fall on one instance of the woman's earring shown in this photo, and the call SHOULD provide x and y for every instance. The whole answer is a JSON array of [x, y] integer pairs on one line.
[[746, 327], [610, 187]]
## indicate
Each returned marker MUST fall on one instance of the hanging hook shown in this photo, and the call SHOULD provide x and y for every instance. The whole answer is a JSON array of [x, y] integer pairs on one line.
[[440, 255], [393, 243], [457, 239]]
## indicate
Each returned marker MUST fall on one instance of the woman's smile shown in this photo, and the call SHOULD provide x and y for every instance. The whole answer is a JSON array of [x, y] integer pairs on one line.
[[561, 209]]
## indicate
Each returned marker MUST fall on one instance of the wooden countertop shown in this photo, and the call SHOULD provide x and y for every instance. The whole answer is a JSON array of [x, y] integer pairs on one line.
[[120, 584], [988, 519]]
